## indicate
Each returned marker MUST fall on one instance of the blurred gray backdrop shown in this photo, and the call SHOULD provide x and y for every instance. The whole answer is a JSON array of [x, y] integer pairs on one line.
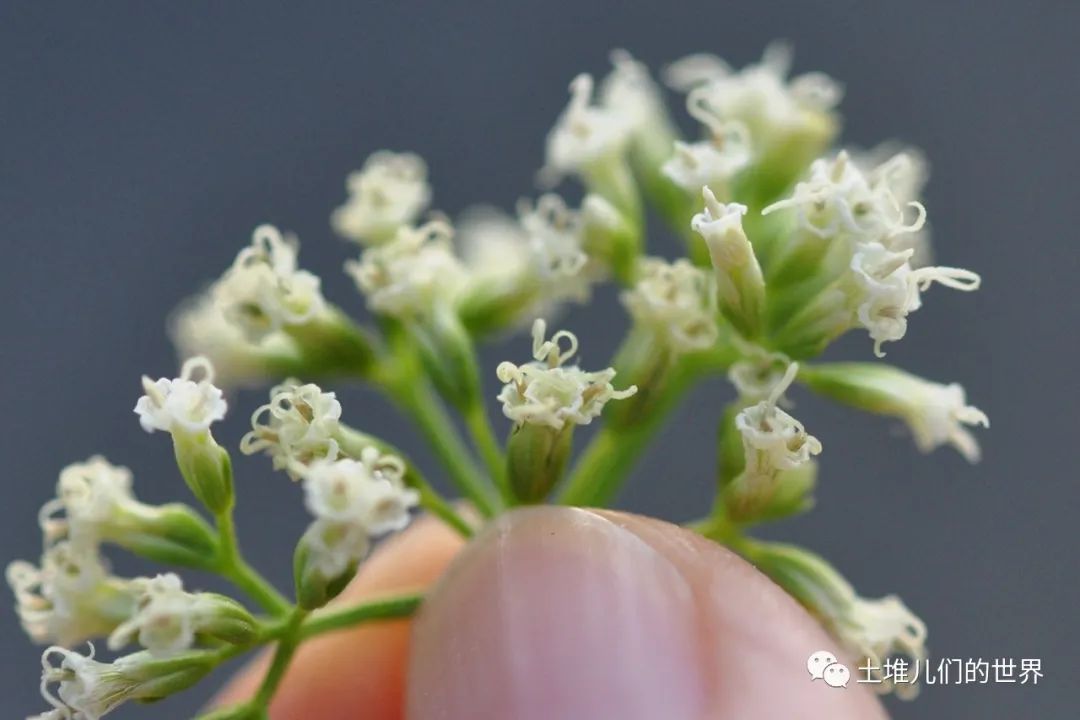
[[142, 142]]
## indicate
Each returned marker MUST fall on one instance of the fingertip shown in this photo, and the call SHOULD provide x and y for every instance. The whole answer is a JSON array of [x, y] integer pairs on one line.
[[569, 613]]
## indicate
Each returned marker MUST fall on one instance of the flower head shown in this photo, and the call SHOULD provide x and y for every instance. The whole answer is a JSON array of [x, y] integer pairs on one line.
[[677, 300], [545, 392], [296, 427], [555, 239], [353, 501], [412, 274], [199, 327], [167, 618], [758, 374], [388, 193], [890, 289], [164, 622], [264, 290], [840, 200], [182, 405], [877, 629], [91, 495], [369, 492], [87, 689], [71, 597], [937, 414], [772, 439], [773, 109], [585, 134]]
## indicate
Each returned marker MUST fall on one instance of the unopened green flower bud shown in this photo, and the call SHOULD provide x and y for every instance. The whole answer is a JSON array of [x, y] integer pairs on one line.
[[536, 456], [740, 285], [172, 534], [207, 470]]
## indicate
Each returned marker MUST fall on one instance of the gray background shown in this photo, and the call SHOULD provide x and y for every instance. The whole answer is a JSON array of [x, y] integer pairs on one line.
[[142, 143]]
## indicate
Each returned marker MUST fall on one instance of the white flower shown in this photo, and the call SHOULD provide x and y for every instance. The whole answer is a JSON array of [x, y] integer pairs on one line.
[[88, 689], [630, 92], [264, 291], [878, 629], [760, 97], [333, 547], [412, 274], [299, 427], [368, 492], [199, 327], [710, 162], [772, 439], [904, 171], [91, 496], [677, 300], [182, 405], [839, 200], [546, 393], [389, 192], [757, 374], [71, 597], [585, 134], [352, 501], [166, 618], [889, 289], [555, 239], [937, 415]]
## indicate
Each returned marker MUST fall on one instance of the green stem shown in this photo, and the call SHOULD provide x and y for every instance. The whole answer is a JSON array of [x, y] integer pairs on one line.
[[426, 410], [287, 645], [383, 609], [486, 442], [232, 566]]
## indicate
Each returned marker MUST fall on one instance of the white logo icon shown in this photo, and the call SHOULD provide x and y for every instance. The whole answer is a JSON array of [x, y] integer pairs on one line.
[[822, 665]]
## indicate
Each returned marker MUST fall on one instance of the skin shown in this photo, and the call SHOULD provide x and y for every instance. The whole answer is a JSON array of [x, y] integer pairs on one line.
[[565, 613]]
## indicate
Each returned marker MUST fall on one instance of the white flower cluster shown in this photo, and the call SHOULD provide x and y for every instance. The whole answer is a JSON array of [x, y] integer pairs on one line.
[[877, 629], [772, 439], [167, 619], [759, 98], [586, 135], [714, 161], [677, 301], [182, 405], [87, 688], [353, 501], [412, 274], [545, 392], [264, 290], [238, 321], [296, 427], [861, 213], [388, 193], [71, 597], [758, 373]]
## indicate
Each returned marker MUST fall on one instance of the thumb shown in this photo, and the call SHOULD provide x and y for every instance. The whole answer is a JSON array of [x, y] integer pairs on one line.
[[574, 614]]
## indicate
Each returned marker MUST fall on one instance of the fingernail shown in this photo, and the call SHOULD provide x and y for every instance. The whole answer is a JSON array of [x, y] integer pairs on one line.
[[558, 614]]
